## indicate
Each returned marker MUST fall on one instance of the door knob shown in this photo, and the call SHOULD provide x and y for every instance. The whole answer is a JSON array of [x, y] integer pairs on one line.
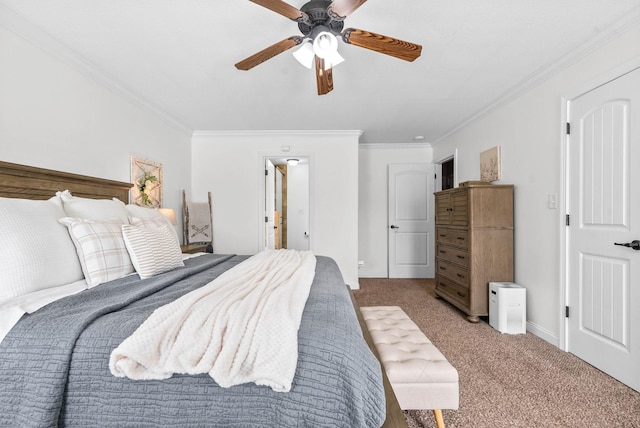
[[635, 245], [393, 226]]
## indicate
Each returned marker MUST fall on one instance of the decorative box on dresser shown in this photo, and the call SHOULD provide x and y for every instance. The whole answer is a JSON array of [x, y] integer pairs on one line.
[[474, 244]]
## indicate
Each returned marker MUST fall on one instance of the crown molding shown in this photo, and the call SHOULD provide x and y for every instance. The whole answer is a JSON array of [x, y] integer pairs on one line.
[[256, 133], [388, 146], [42, 40], [548, 71]]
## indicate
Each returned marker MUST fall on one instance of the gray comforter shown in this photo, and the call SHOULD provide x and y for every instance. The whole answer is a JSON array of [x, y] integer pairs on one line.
[[54, 363]]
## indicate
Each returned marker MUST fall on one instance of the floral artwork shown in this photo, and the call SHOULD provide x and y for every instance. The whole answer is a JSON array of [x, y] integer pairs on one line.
[[147, 182], [490, 164]]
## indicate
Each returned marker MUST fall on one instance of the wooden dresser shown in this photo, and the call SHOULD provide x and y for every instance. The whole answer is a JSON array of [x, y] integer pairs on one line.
[[474, 244]]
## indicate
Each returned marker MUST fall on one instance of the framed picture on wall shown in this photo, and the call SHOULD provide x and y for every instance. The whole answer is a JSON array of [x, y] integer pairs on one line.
[[490, 164], [146, 177]]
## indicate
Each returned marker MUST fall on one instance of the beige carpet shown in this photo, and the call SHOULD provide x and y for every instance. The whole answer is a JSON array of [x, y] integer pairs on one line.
[[506, 380]]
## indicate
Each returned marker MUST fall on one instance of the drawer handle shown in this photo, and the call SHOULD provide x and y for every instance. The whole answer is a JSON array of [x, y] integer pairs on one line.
[[443, 252], [460, 275], [443, 236], [443, 268], [460, 257], [462, 238], [460, 294]]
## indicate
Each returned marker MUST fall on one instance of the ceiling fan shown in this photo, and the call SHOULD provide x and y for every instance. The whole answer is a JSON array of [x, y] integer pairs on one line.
[[320, 21]]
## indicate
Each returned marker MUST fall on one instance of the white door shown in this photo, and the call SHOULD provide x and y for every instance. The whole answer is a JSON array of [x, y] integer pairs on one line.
[[411, 221], [269, 205], [298, 205], [604, 207], [278, 221]]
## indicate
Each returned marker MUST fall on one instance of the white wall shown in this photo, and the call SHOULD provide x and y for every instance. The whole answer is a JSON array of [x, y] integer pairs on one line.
[[229, 165], [529, 131], [52, 116], [373, 200]]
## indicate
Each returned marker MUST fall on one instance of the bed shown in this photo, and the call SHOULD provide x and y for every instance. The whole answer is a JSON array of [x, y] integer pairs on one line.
[[54, 363]]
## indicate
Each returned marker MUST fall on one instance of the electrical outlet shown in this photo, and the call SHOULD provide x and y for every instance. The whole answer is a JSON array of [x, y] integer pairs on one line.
[[552, 201]]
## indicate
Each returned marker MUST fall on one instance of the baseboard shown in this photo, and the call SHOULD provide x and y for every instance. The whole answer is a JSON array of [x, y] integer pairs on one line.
[[373, 274], [543, 334]]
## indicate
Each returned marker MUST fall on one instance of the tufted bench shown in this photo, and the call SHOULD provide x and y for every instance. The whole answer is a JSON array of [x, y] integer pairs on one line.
[[420, 375]]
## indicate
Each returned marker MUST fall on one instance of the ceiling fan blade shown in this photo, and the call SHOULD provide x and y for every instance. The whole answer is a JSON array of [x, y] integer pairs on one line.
[[344, 8], [268, 53], [278, 6], [324, 78], [383, 44]]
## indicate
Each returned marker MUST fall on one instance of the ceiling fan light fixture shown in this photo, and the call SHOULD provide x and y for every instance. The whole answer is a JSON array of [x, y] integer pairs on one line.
[[305, 54], [325, 45]]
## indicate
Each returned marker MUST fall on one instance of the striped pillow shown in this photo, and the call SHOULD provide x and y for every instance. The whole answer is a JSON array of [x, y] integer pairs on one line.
[[154, 222], [101, 250], [152, 250]]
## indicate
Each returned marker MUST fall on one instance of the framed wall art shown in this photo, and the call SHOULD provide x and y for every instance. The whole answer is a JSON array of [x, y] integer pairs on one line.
[[490, 164], [146, 177]]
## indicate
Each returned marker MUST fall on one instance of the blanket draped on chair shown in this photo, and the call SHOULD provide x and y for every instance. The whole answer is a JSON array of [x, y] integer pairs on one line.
[[199, 228]]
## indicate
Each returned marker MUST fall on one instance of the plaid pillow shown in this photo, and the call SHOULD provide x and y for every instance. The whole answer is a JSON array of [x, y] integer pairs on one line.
[[101, 249]]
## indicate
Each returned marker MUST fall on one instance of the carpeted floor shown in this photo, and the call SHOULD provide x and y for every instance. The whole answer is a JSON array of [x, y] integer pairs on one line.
[[505, 380]]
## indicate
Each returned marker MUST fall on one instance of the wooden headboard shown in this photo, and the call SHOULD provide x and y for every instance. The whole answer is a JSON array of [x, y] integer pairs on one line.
[[28, 182]]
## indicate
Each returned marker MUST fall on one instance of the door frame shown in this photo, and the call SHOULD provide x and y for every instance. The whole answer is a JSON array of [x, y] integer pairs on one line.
[[563, 342], [262, 157]]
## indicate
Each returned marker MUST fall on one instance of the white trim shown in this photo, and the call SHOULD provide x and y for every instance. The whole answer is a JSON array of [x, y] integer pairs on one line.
[[71, 58], [542, 333], [374, 274], [565, 114], [546, 72], [380, 146], [563, 230], [269, 132]]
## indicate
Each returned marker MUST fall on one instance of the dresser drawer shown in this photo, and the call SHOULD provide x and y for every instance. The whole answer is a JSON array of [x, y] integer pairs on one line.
[[453, 254], [452, 271], [453, 290], [455, 237]]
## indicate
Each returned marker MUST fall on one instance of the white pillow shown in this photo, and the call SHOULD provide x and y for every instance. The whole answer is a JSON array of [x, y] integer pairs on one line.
[[153, 250], [143, 212], [101, 249], [36, 251], [94, 209]]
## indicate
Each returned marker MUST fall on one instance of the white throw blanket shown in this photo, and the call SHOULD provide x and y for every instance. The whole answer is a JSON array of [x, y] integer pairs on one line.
[[242, 327]]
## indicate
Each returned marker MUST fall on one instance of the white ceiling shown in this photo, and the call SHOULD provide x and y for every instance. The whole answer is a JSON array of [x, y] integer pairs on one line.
[[179, 55]]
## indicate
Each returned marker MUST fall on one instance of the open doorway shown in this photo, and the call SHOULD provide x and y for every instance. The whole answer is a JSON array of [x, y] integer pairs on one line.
[[286, 203], [446, 172]]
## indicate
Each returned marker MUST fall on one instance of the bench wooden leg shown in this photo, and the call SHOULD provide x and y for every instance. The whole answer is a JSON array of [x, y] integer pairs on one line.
[[439, 420]]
